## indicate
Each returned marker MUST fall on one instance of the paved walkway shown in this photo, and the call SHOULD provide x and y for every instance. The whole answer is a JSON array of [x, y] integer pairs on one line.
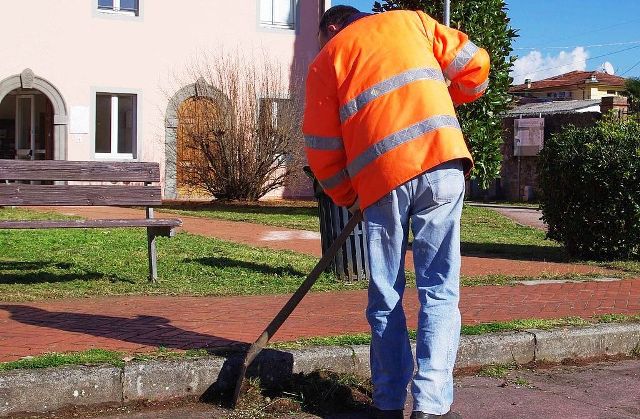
[[524, 216], [145, 323]]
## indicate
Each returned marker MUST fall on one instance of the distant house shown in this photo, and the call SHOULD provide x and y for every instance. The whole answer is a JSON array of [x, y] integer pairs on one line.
[[575, 85], [544, 108]]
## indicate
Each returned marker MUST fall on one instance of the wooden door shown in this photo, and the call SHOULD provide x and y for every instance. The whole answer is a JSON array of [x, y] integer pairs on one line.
[[196, 123]]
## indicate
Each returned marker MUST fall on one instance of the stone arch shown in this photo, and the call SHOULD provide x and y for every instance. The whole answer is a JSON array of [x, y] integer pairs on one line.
[[198, 89], [28, 80]]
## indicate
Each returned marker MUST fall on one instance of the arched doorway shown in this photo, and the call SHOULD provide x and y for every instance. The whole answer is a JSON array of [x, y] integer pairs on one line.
[[187, 117], [33, 119]]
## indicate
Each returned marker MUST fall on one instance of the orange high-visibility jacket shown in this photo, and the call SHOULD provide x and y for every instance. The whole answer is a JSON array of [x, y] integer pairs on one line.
[[378, 109]]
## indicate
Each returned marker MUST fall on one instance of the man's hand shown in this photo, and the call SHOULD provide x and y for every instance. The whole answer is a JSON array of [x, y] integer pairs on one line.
[[355, 206]]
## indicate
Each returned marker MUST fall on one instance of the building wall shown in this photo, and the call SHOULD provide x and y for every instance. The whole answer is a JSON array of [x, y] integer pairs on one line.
[[82, 51], [603, 91], [577, 93], [519, 172]]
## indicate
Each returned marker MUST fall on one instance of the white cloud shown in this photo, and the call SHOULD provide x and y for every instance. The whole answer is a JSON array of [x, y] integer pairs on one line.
[[536, 67]]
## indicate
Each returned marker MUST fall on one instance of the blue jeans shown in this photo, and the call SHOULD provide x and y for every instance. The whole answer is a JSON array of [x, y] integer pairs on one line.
[[433, 203]]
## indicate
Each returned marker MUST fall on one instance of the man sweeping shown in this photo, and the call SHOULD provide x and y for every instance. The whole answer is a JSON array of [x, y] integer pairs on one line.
[[381, 135]]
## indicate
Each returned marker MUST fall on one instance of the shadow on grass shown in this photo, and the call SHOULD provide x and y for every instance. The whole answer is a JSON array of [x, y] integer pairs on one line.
[[515, 252], [16, 272], [224, 262]]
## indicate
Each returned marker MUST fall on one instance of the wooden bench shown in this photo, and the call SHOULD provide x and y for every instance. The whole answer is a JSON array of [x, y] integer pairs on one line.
[[135, 188]]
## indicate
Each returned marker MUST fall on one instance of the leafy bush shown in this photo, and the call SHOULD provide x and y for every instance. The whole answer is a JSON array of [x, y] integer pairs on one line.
[[590, 181]]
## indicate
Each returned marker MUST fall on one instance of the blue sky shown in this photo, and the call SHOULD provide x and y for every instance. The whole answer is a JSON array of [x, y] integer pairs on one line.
[[557, 36]]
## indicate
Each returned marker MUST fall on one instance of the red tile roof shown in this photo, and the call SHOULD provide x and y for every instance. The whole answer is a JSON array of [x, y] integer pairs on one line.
[[573, 78]]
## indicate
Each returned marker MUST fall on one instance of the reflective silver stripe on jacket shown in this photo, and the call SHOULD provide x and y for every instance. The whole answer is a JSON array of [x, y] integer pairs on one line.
[[461, 60], [323, 143], [472, 91], [354, 105], [334, 180], [399, 138]]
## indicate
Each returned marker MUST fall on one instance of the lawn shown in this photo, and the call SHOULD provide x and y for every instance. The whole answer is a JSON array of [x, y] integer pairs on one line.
[[59, 263]]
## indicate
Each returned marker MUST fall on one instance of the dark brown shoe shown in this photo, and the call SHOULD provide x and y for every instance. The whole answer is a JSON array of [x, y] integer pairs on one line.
[[376, 413], [449, 415]]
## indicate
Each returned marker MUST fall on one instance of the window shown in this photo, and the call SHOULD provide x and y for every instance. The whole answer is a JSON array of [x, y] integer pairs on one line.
[[129, 7], [611, 92], [277, 13], [116, 125]]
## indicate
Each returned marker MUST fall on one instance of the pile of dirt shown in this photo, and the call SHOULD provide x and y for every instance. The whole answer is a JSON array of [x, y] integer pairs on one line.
[[319, 393]]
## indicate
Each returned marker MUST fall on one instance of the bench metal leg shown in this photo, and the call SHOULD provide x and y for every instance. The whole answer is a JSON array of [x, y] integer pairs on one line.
[[151, 248]]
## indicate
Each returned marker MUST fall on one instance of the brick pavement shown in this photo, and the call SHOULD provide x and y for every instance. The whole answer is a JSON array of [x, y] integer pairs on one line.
[[136, 324]]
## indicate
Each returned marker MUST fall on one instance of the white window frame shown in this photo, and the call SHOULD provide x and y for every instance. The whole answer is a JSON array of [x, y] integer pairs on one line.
[[106, 13], [116, 9], [135, 146], [273, 25]]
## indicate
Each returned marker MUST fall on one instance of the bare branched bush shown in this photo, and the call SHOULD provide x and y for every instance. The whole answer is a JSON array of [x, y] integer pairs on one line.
[[239, 135]]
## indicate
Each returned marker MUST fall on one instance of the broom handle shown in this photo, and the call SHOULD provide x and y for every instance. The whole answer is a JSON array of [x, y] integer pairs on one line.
[[295, 299]]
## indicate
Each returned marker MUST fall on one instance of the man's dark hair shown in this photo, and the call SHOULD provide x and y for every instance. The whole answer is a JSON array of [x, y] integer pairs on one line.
[[336, 15]]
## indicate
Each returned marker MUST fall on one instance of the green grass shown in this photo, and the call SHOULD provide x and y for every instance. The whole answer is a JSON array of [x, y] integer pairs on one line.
[[497, 370], [57, 263], [471, 329], [631, 267], [485, 232], [89, 357], [95, 357], [62, 263]]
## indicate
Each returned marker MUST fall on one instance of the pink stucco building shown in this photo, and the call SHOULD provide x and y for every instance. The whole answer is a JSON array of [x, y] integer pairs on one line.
[[92, 79]]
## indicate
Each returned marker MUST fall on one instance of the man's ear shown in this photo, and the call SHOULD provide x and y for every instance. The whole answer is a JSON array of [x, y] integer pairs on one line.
[[333, 28]]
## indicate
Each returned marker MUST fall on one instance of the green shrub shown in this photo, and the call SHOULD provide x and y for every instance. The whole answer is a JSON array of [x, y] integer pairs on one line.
[[590, 182]]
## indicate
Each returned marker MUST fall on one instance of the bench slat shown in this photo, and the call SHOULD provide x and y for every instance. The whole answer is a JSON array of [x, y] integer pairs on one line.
[[116, 195], [38, 224], [79, 171]]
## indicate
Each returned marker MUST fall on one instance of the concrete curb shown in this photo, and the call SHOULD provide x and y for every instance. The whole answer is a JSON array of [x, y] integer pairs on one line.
[[56, 388]]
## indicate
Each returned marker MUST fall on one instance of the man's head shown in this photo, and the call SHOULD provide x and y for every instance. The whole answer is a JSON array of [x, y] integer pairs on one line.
[[333, 21]]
